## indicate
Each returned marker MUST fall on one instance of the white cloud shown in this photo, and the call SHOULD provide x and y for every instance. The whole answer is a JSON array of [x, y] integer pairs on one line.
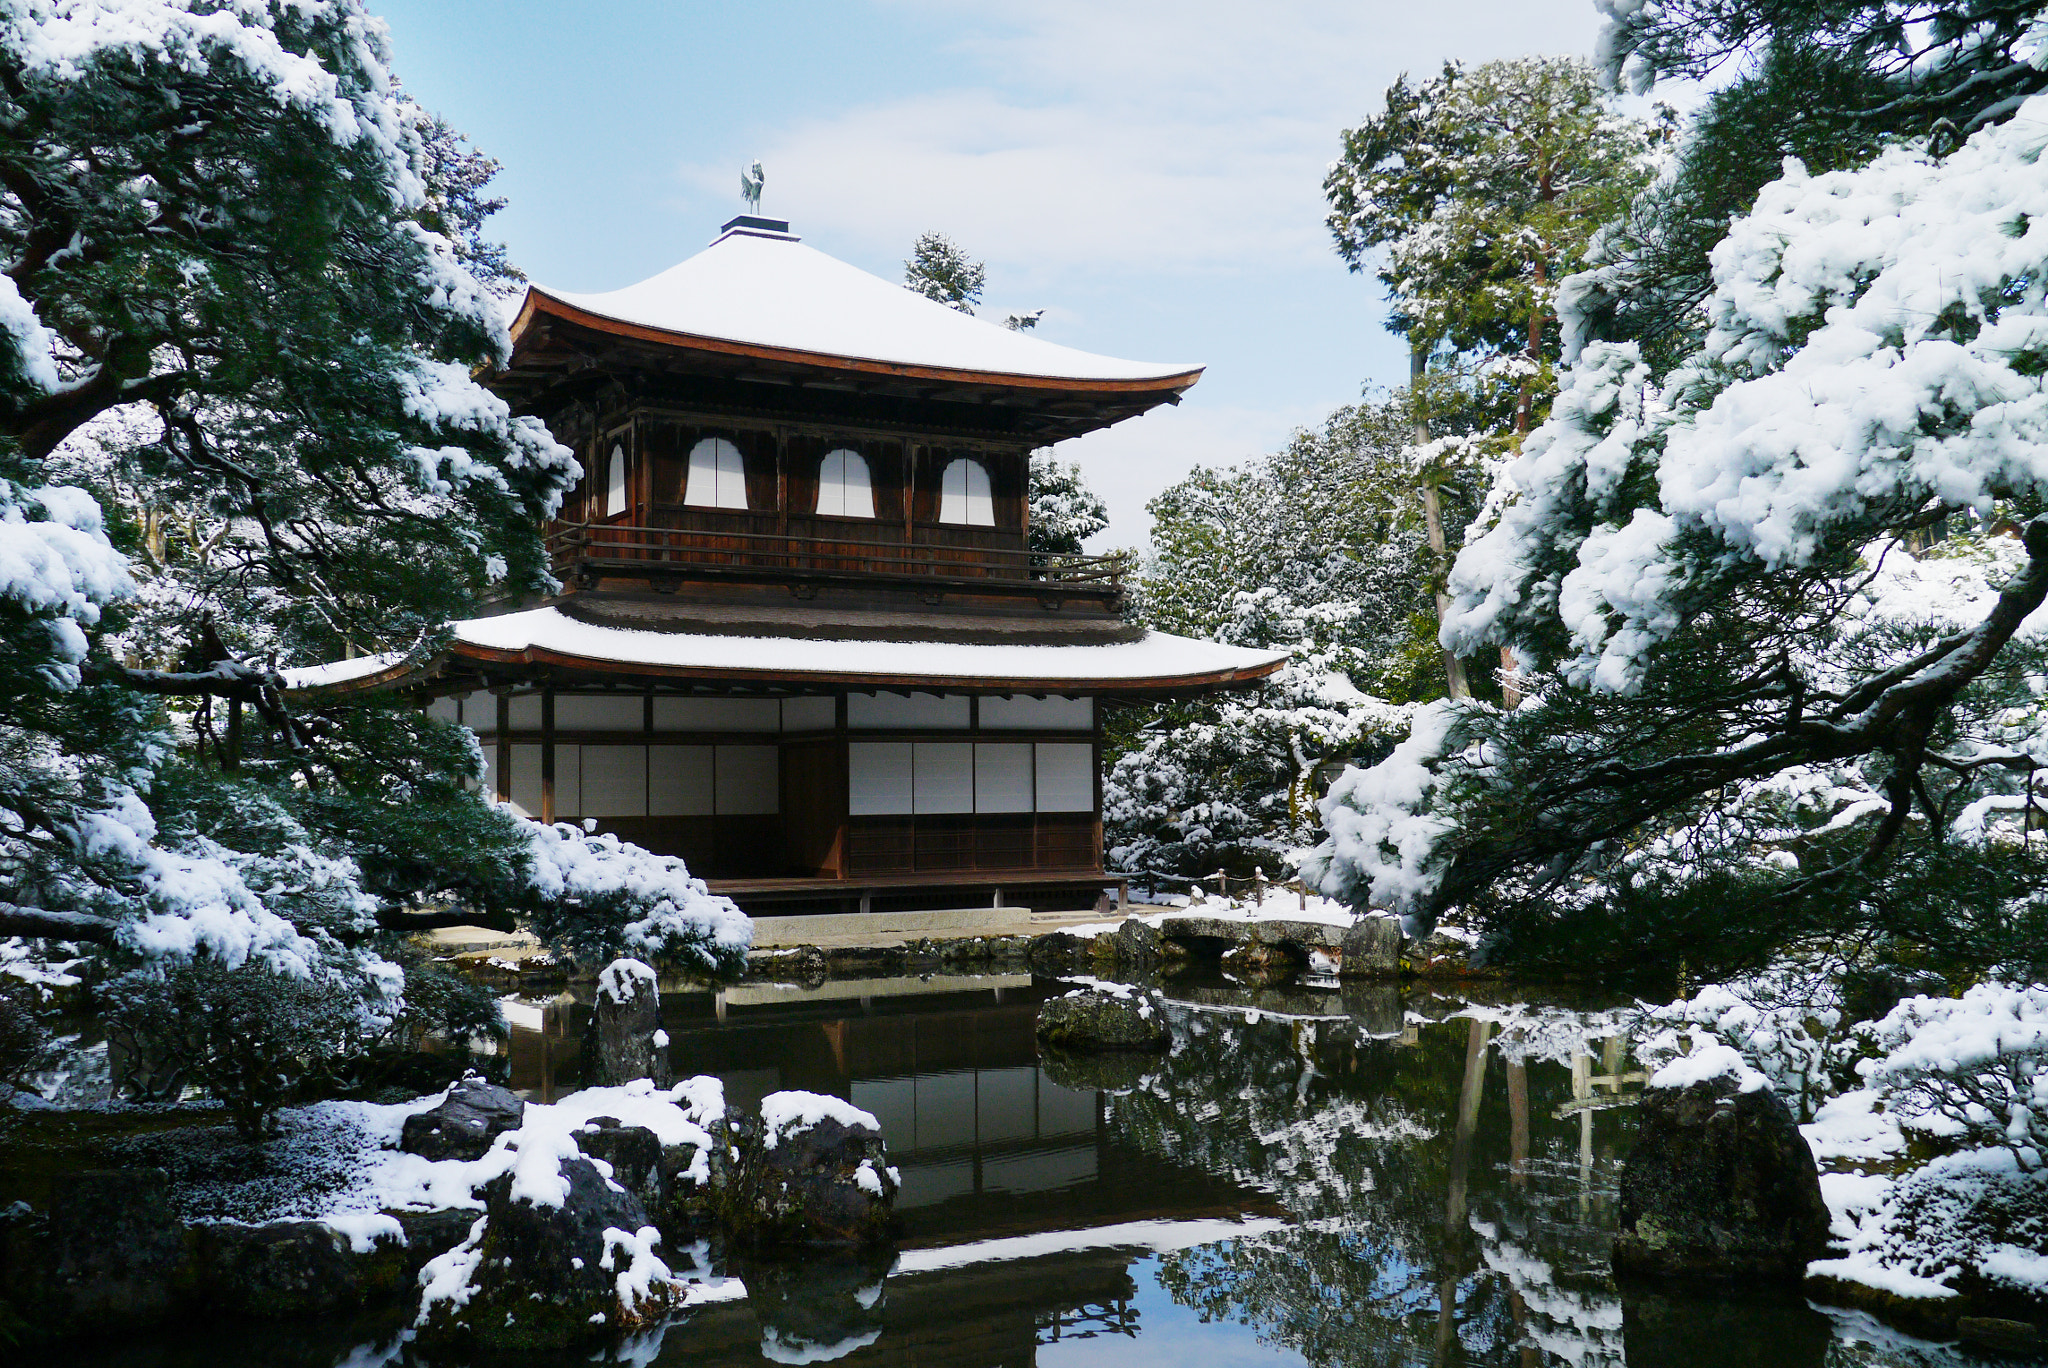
[[1147, 135]]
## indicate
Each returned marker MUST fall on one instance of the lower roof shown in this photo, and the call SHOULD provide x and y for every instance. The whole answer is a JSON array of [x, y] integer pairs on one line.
[[548, 645]]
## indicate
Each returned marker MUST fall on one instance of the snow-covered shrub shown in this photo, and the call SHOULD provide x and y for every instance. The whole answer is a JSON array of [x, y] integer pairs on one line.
[[1786, 1025], [250, 1037], [1968, 1072], [1317, 550]]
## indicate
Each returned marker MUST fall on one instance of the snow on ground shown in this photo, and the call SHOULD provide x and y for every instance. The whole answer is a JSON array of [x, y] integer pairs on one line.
[[1281, 903]]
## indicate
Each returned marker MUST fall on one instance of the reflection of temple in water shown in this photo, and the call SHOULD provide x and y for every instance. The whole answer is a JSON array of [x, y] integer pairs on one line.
[[997, 1158]]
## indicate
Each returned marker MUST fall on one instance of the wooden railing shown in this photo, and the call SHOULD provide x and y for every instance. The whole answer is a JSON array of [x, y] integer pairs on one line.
[[609, 547]]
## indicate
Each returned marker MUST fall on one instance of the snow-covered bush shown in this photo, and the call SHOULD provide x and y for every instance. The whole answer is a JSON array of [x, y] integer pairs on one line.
[[1786, 1025], [1317, 550], [250, 1037], [1968, 1072]]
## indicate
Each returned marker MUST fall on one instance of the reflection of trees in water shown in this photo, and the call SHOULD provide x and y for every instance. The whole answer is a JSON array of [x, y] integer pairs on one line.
[[1439, 1199]]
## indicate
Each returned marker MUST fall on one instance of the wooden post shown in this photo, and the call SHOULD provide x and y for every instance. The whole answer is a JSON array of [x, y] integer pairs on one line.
[[547, 755], [909, 497], [504, 748]]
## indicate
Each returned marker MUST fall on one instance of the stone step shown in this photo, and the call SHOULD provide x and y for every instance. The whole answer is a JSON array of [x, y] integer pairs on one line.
[[960, 921]]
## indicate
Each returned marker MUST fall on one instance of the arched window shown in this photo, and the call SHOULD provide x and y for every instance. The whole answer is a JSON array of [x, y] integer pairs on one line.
[[718, 477], [844, 490], [615, 483], [964, 496]]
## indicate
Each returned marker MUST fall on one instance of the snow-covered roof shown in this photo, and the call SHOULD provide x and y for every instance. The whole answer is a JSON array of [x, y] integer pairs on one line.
[[547, 636], [763, 289]]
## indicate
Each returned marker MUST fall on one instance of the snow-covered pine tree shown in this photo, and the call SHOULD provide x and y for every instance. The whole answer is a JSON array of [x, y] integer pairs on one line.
[[1757, 720], [1064, 511], [239, 430], [938, 269], [1314, 549]]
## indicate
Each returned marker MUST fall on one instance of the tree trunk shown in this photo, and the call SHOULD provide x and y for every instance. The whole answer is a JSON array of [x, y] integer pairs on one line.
[[1433, 518]]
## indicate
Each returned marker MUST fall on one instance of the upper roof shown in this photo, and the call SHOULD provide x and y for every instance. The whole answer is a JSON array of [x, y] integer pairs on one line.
[[760, 292]]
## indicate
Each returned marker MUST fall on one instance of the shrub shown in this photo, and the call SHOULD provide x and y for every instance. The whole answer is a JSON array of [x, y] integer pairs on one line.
[[253, 1038]]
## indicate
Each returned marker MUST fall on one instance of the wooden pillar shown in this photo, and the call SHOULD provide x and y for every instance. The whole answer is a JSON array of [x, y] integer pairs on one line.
[[909, 495], [547, 755], [504, 748], [782, 483]]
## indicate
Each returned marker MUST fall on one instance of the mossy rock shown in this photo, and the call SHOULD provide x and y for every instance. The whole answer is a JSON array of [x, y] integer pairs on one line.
[[1096, 1020]]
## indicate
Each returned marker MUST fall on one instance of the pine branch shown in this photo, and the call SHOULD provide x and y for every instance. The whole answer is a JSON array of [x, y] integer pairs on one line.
[[37, 922]]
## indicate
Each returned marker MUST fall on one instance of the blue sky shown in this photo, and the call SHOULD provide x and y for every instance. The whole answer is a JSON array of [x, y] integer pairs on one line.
[[1148, 173]]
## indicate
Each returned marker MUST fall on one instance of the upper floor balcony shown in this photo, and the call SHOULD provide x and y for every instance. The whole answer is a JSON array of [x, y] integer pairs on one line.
[[724, 547]]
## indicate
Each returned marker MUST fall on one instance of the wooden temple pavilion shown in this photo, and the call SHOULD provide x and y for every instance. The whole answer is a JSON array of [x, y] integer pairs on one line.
[[802, 640]]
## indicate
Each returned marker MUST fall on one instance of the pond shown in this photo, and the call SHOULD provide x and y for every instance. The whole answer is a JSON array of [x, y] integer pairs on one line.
[[1364, 1176]]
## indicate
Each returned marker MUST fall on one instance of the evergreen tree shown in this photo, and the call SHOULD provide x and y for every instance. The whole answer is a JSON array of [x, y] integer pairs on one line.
[[1064, 511], [1475, 194], [240, 317], [939, 270], [1762, 721], [1311, 550]]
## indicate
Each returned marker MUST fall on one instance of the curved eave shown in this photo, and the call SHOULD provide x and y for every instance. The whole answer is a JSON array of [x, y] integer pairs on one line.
[[401, 674], [546, 658], [539, 302]]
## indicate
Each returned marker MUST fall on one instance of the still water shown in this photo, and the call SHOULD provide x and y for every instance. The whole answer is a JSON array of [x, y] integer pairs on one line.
[[1310, 1176]]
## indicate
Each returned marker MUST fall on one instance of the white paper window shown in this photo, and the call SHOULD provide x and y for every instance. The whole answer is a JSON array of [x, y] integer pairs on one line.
[[445, 710], [1019, 712], [525, 712], [1002, 777], [748, 780], [718, 475], [1066, 776], [618, 712], [679, 781], [878, 777], [844, 490], [944, 781], [526, 781], [810, 714], [916, 710], [614, 781], [717, 714], [615, 483], [964, 495]]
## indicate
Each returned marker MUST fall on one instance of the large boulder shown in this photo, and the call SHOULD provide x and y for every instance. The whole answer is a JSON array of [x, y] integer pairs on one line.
[[463, 1127], [1372, 948], [812, 1170], [627, 1023], [544, 1274], [1720, 1183], [1103, 1019], [634, 1153], [1139, 946], [1058, 952], [281, 1269], [111, 1254]]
